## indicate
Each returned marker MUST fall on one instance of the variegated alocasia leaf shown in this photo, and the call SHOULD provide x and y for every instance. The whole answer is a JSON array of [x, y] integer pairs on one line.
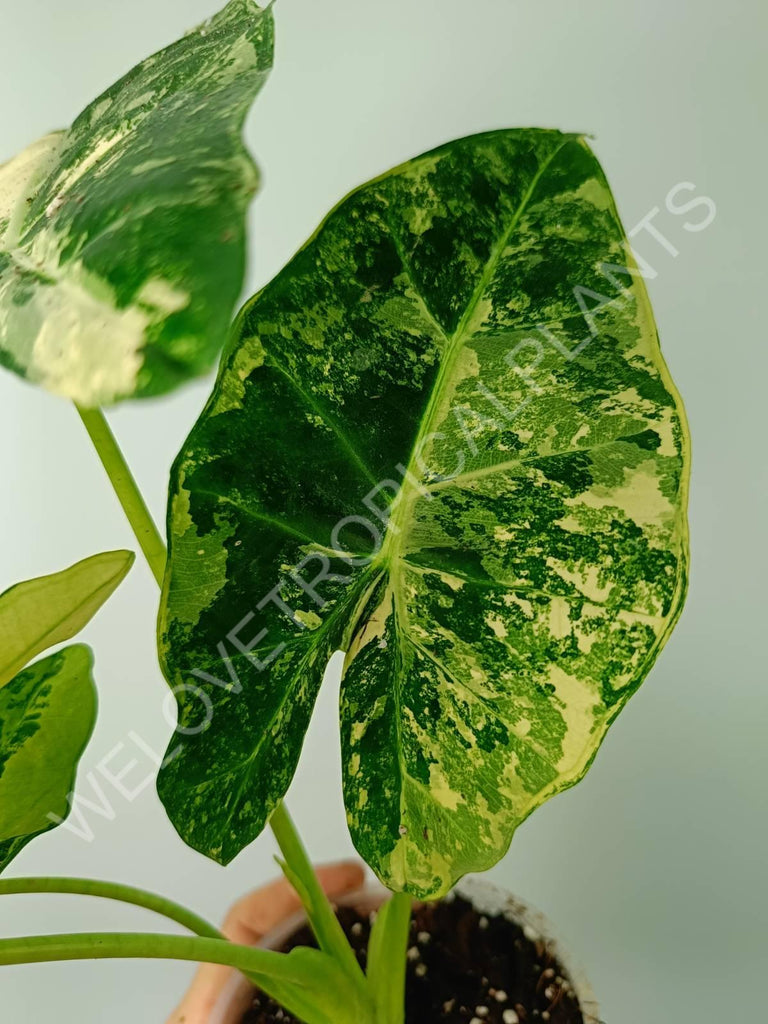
[[464, 350], [122, 239], [47, 714], [36, 614]]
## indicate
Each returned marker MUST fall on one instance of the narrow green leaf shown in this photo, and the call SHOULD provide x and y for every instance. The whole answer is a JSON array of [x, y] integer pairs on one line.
[[46, 716], [387, 959], [122, 240], [39, 613], [471, 323]]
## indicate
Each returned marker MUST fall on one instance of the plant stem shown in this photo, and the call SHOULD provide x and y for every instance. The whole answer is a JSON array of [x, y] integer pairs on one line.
[[112, 890], [303, 981], [320, 913], [288, 838], [387, 959], [36, 949], [401, 909], [126, 489]]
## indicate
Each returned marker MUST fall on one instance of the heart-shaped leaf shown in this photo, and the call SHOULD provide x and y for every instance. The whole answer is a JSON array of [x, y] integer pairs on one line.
[[46, 717], [446, 442], [122, 240], [39, 613]]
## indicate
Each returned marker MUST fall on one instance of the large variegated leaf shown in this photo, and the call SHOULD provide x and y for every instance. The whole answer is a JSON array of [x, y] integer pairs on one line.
[[36, 614], [46, 717], [466, 347], [122, 239]]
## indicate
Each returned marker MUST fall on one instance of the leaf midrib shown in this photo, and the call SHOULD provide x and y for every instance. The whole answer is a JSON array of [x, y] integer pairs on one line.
[[391, 551], [404, 505]]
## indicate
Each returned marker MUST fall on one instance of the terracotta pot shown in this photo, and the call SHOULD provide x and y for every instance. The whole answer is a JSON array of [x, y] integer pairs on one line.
[[487, 899]]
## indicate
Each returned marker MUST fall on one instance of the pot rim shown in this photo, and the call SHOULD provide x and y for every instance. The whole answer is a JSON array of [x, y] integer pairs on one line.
[[485, 896]]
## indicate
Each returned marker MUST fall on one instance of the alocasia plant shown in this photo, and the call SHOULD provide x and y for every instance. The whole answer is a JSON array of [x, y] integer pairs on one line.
[[442, 440], [486, 511]]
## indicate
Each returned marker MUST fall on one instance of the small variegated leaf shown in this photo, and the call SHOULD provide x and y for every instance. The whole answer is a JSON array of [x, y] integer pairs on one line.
[[39, 613], [122, 240], [465, 351], [47, 713]]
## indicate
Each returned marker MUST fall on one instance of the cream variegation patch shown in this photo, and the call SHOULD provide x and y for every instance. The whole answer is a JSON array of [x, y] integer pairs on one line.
[[85, 350], [20, 177]]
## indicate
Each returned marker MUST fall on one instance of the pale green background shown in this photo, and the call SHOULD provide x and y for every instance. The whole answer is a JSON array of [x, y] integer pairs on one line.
[[654, 868]]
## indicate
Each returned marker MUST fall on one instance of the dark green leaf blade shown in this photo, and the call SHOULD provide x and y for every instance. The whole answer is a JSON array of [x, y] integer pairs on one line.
[[474, 324], [47, 714], [122, 240], [39, 613]]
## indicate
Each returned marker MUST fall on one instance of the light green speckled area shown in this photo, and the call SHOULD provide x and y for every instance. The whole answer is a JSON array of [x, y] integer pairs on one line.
[[466, 350], [122, 243]]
